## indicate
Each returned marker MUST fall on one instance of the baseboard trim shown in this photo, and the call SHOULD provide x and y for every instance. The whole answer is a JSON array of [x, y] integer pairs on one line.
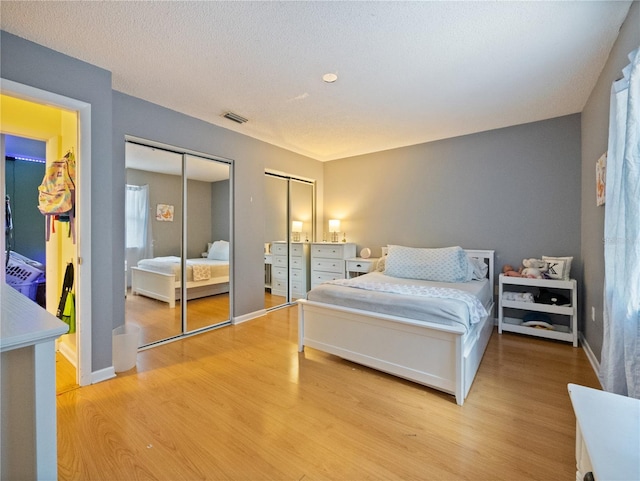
[[103, 375], [249, 316], [593, 360], [68, 353]]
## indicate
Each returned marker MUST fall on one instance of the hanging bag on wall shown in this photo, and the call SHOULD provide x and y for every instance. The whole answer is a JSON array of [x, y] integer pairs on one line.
[[56, 194], [66, 307]]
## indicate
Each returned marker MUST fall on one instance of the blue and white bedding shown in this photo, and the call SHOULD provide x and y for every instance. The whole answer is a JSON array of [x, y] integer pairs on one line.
[[461, 303], [197, 269]]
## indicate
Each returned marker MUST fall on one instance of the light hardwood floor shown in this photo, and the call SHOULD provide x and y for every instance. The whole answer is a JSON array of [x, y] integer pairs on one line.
[[240, 403]]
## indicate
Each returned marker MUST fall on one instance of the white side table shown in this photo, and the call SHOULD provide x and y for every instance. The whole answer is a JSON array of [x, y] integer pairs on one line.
[[358, 266], [607, 434], [28, 364]]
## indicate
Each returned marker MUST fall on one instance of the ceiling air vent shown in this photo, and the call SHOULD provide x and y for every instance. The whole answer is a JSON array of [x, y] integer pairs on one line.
[[235, 117]]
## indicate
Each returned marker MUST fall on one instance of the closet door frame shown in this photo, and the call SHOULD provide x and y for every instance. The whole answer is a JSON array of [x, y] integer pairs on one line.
[[290, 179], [185, 153]]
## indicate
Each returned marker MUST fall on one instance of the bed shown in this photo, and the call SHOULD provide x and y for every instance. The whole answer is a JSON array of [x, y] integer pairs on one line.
[[159, 278], [412, 328]]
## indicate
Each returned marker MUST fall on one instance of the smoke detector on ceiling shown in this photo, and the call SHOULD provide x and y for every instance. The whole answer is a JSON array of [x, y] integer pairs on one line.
[[235, 117]]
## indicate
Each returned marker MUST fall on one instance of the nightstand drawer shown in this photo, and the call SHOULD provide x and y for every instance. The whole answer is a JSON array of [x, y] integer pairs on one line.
[[360, 266]]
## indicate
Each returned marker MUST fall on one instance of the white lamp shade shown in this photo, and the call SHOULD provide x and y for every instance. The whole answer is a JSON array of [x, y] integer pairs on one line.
[[296, 226], [334, 225]]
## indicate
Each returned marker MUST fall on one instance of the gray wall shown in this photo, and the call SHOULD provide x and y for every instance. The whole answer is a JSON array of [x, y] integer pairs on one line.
[[515, 190], [36, 66], [595, 130], [220, 192], [113, 115]]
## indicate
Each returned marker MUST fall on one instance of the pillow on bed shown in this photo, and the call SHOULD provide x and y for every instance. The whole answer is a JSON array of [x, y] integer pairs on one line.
[[448, 264], [219, 251]]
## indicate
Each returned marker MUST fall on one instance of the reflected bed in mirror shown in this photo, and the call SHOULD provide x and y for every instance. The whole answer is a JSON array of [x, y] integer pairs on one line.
[[163, 250]]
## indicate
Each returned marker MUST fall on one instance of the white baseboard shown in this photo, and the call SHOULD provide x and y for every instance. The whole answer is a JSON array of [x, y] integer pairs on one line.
[[248, 317], [103, 375], [68, 353], [593, 360]]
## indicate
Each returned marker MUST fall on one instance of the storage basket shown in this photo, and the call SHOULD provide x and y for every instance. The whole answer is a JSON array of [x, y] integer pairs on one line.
[[21, 273], [23, 277], [30, 290]]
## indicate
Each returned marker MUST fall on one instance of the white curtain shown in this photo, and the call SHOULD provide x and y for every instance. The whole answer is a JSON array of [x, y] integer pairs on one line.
[[139, 239], [620, 360]]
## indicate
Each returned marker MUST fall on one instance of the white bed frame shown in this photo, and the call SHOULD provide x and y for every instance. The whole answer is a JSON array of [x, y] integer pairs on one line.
[[164, 287], [440, 356]]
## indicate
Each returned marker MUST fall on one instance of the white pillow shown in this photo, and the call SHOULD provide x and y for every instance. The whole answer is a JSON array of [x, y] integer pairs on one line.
[[480, 269], [219, 251], [448, 264], [559, 267]]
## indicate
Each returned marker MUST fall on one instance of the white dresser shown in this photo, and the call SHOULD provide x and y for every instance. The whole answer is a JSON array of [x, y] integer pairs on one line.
[[298, 269], [328, 261]]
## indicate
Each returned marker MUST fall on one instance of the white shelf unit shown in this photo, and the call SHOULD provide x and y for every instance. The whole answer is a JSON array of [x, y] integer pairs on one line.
[[560, 332]]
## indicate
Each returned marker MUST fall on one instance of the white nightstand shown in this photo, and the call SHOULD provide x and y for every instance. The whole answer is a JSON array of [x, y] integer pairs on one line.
[[358, 266], [567, 331]]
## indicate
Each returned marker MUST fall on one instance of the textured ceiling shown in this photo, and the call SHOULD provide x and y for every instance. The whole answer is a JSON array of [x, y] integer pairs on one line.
[[409, 72]]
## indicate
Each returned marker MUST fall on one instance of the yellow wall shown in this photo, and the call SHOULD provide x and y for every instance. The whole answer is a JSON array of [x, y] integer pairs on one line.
[[59, 129]]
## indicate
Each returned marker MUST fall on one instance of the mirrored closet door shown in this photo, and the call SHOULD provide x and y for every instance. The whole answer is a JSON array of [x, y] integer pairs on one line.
[[178, 219], [289, 230]]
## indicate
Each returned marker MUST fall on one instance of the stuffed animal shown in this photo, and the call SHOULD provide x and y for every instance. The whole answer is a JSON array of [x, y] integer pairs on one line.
[[534, 268], [508, 270]]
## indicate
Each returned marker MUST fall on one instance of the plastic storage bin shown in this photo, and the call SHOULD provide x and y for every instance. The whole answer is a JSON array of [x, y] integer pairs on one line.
[[24, 275], [126, 339]]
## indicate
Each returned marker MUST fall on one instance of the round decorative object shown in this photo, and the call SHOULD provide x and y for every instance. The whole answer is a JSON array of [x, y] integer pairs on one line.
[[365, 253]]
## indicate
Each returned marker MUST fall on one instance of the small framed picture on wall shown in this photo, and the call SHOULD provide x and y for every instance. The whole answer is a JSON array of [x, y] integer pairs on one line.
[[601, 178], [164, 212]]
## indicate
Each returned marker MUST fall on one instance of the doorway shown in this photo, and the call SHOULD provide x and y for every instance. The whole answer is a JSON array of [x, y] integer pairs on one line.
[[63, 124]]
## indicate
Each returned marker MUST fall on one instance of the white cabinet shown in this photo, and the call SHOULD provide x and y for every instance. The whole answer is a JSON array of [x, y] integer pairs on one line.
[[28, 447], [358, 266], [566, 329], [607, 434], [328, 261], [293, 265]]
